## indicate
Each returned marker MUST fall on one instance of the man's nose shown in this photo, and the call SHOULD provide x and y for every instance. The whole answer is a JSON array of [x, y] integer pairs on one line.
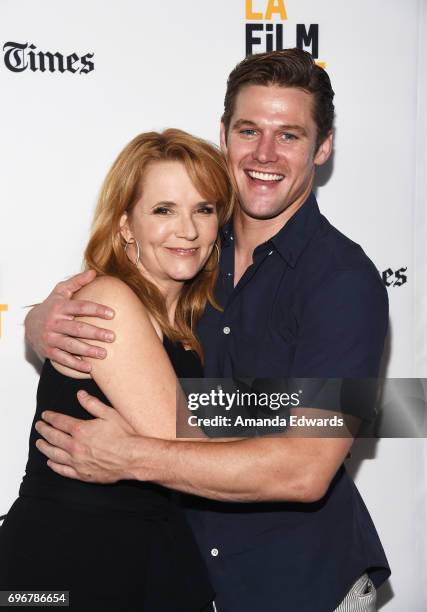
[[187, 227], [265, 151]]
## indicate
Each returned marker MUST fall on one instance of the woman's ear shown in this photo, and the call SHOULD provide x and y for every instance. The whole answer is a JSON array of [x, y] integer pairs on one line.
[[125, 230]]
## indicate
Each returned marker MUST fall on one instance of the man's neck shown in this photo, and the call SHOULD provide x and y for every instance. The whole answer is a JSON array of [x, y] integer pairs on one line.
[[250, 233]]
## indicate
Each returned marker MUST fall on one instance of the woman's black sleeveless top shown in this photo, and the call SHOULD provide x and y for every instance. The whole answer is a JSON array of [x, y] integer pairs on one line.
[[139, 518], [57, 392]]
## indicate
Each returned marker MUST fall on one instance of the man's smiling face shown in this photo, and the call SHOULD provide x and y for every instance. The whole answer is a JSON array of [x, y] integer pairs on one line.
[[271, 149]]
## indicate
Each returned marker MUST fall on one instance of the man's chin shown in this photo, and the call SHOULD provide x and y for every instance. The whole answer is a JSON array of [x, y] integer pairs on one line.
[[262, 212]]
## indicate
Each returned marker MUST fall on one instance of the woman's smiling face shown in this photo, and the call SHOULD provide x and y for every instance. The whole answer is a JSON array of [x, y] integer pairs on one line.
[[174, 225]]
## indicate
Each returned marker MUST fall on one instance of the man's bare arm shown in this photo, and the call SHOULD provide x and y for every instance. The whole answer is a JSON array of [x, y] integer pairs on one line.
[[259, 469], [53, 333]]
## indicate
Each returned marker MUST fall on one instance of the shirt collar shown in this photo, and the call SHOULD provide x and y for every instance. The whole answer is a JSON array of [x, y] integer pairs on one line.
[[292, 239]]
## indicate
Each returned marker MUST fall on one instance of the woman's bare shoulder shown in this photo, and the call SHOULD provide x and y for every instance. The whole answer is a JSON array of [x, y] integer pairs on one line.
[[131, 319], [107, 288], [115, 293]]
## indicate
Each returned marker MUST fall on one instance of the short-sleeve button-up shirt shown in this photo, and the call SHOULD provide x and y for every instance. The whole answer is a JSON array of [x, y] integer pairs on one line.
[[311, 305]]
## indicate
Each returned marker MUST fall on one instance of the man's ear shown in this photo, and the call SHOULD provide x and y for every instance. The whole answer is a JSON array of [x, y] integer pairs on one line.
[[125, 230], [222, 138], [324, 151]]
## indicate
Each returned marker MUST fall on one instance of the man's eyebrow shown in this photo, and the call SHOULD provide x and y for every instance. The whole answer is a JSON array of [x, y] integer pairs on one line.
[[241, 122], [294, 128]]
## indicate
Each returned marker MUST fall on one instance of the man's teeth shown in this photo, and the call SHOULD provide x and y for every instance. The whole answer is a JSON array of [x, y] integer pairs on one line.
[[263, 176]]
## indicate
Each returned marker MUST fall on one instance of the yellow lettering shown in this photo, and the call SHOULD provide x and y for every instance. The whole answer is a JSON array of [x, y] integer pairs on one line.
[[321, 64], [250, 15], [276, 6], [3, 308]]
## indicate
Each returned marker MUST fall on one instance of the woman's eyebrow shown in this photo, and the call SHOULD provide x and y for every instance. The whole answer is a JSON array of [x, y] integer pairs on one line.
[[164, 203]]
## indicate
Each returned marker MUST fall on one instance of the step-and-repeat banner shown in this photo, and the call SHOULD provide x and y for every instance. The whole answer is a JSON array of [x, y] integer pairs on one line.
[[78, 80]]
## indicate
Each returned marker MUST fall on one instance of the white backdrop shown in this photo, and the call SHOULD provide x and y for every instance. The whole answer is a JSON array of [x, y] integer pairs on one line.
[[165, 64]]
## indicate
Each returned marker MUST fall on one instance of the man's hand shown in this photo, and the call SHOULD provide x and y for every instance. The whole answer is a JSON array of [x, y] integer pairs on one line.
[[94, 451], [53, 333]]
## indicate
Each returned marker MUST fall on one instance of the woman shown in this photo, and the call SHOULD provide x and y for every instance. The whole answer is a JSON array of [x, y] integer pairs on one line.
[[155, 247]]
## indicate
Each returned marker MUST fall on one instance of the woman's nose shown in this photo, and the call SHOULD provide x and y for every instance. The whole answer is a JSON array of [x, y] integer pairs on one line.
[[186, 227]]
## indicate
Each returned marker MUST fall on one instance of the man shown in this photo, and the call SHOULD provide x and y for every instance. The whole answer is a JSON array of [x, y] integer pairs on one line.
[[300, 300]]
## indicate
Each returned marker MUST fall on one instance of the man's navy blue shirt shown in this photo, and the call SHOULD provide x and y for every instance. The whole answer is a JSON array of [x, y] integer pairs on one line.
[[311, 305]]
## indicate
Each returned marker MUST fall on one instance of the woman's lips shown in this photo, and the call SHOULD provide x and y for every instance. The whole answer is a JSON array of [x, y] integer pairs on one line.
[[181, 252]]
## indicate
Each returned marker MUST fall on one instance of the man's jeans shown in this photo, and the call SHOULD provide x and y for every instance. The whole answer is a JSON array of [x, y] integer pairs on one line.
[[361, 597]]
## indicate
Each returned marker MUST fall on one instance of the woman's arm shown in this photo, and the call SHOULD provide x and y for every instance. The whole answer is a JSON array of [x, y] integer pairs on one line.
[[136, 376]]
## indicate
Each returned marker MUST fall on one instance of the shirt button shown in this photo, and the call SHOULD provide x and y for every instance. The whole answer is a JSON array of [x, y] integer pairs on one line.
[[226, 330], [214, 552]]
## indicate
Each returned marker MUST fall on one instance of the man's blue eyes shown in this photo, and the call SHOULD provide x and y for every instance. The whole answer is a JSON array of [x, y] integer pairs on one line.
[[247, 132], [285, 136]]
